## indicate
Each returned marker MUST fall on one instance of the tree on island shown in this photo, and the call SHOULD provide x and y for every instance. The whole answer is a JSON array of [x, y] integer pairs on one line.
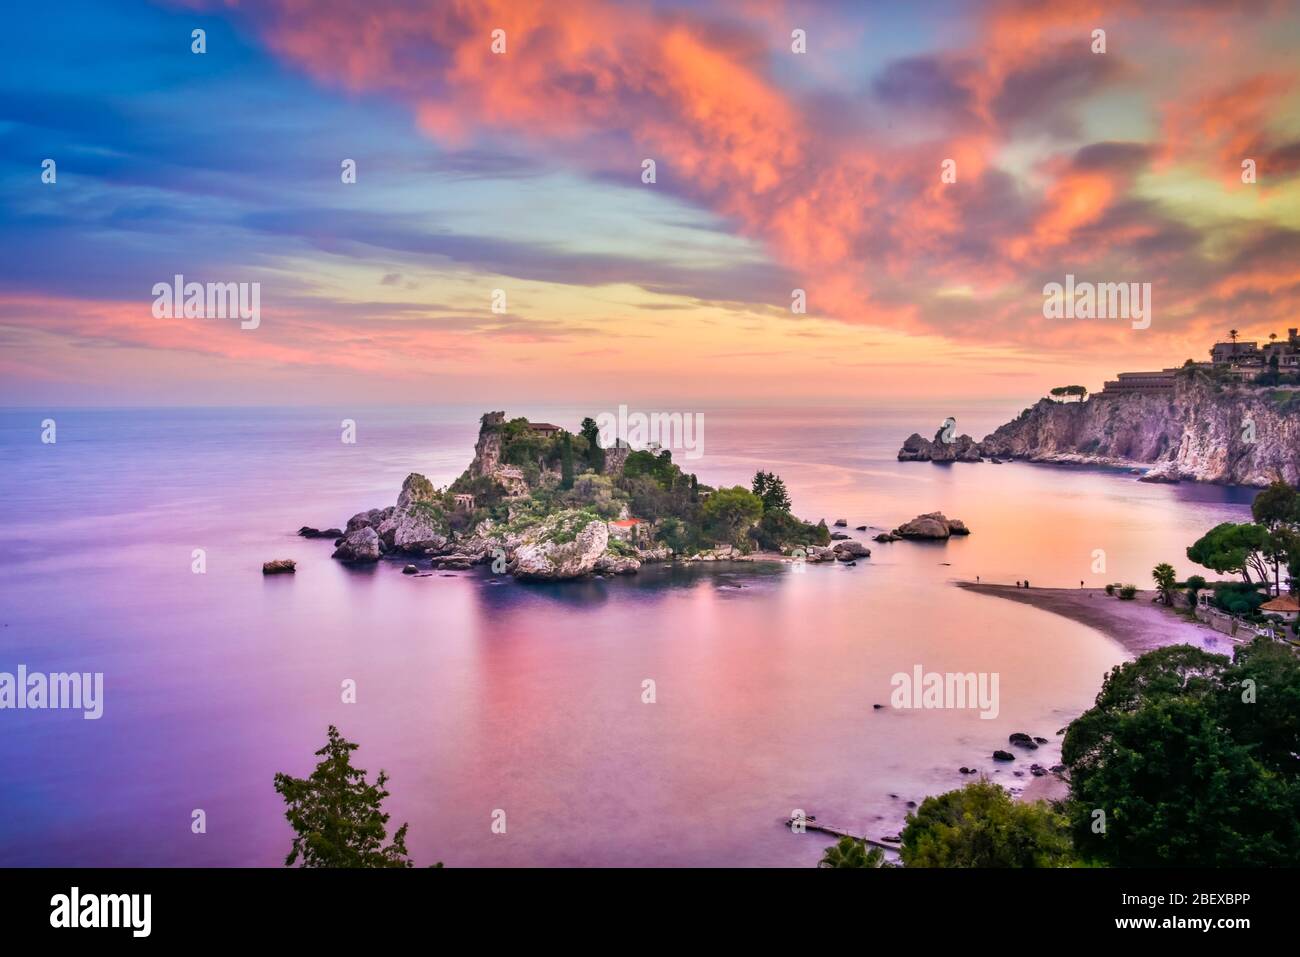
[[595, 454], [729, 512], [337, 816], [852, 852], [566, 462], [981, 825], [771, 489], [1190, 760]]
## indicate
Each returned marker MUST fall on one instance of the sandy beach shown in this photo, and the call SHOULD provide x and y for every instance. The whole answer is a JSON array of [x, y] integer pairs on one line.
[[1140, 625]]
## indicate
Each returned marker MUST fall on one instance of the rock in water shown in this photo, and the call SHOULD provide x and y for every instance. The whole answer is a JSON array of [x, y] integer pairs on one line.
[[360, 545], [961, 448], [931, 526], [308, 532], [279, 566], [1003, 756], [849, 550]]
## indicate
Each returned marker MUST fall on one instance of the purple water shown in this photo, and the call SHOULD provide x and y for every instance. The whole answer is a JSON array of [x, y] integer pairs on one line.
[[478, 694]]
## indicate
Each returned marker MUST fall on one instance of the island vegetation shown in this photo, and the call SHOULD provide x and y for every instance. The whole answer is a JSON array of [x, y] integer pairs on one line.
[[552, 504]]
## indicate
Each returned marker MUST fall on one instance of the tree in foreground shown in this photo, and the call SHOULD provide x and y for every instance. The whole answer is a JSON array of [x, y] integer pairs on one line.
[[852, 852], [981, 825], [1188, 759], [337, 816]]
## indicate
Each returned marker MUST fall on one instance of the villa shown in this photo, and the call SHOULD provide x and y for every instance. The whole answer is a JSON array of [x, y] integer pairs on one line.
[[1285, 607], [1247, 361], [1242, 361]]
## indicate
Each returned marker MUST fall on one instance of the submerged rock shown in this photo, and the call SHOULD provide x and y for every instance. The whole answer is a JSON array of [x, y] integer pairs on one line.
[[308, 532]]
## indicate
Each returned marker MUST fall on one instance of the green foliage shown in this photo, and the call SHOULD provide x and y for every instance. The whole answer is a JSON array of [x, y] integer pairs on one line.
[[597, 493], [595, 454], [852, 852], [778, 530], [1110, 588], [1128, 592], [1238, 598], [1230, 547], [1190, 765], [1278, 504], [772, 491], [566, 462], [729, 512], [980, 825], [681, 537], [337, 816]]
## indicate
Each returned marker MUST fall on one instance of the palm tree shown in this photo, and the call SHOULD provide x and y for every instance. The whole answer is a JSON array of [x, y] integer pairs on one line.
[[1232, 334], [1166, 580], [852, 852]]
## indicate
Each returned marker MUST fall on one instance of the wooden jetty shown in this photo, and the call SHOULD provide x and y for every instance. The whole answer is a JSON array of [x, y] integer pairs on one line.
[[812, 824]]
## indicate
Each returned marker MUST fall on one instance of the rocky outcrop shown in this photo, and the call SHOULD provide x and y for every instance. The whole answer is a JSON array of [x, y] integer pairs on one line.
[[1202, 431], [415, 489], [279, 566], [932, 526], [359, 546], [960, 448], [308, 532], [556, 549]]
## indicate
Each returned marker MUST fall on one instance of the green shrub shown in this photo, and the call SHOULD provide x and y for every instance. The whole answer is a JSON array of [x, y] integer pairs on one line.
[[1128, 592], [1110, 589]]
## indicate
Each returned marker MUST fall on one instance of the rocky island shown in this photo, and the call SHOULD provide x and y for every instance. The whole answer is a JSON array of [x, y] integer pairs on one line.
[[542, 503], [1204, 422]]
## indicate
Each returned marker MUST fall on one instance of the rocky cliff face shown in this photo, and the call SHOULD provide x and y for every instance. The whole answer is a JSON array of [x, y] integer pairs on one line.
[[1243, 436]]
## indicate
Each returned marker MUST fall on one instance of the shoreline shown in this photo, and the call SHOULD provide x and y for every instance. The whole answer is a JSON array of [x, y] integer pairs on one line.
[[1139, 626]]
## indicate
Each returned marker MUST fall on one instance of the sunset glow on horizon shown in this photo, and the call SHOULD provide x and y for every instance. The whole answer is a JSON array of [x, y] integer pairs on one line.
[[521, 170]]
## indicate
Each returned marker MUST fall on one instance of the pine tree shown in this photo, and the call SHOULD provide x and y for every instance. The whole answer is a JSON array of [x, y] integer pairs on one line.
[[337, 816]]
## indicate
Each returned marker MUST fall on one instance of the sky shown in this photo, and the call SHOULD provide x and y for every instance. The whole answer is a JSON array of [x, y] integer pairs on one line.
[[500, 243]]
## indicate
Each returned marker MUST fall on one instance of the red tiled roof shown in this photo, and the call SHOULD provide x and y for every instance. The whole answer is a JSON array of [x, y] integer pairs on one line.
[[1282, 603], [626, 522]]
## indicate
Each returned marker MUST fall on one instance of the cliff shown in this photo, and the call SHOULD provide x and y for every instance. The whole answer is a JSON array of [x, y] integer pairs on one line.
[[1203, 431]]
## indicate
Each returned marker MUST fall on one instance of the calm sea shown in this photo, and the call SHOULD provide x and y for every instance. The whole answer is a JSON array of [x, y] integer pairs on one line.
[[480, 695]]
